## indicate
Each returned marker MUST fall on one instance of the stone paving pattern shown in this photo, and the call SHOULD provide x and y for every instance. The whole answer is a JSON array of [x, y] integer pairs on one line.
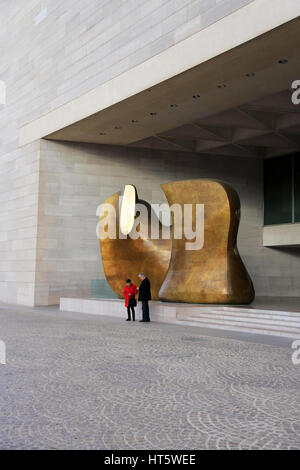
[[85, 382]]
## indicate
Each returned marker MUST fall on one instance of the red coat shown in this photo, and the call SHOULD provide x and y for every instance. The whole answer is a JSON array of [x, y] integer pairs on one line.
[[129, 293]]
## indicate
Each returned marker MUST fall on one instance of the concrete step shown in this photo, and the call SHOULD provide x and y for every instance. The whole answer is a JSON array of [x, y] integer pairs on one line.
[[275, 320], [248, 327], [259, 311], [240, 311], [241, 329], [248, 324]]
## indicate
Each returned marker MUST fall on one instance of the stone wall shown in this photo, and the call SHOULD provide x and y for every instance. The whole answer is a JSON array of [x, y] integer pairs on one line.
[[19, 177], [58, 50]]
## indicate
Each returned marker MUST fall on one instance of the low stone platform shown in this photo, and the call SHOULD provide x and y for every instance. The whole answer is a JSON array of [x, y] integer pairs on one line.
[[259, 318]]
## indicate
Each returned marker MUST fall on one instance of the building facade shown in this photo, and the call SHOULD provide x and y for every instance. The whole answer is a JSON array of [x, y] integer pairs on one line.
[[102, 93]]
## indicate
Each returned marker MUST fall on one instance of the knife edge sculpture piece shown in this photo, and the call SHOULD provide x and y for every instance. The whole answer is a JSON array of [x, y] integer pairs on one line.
[[215, 273]]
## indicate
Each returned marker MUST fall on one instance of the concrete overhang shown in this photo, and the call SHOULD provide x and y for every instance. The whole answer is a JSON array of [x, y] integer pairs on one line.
[[233, 62]]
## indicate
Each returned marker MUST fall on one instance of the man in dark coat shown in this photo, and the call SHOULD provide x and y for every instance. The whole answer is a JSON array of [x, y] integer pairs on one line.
[[145, 296]]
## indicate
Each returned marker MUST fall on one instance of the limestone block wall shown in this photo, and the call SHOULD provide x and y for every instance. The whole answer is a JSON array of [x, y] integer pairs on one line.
[[63, 48], [19, 175]]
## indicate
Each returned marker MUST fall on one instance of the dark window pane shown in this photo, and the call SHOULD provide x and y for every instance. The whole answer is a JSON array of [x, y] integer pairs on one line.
[[278, 190], [297, 186]]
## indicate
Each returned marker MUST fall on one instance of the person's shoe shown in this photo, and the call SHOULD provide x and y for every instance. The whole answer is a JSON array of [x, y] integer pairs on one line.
[[128, 319], [142, 321]]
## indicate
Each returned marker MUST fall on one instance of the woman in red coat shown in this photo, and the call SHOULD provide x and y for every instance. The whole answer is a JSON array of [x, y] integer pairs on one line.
[[129, 293]]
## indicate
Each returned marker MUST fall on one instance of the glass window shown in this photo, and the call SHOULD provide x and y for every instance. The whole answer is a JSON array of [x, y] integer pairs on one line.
[[297, 186], [278, 190]]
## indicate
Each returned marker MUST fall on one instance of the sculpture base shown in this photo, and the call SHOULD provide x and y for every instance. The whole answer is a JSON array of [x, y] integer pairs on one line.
[[267, 316]]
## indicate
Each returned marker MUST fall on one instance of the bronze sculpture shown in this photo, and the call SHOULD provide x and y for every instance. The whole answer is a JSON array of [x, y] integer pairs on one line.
[[213, 273]]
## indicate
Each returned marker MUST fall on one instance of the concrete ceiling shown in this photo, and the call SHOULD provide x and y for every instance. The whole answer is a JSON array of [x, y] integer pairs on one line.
[[237, 103], [263, 128]]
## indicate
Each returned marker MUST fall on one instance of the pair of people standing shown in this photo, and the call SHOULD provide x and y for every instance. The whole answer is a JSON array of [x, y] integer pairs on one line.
[[144, 292]]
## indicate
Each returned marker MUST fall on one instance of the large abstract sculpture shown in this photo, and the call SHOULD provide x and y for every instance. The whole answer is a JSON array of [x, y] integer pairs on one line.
[[207, 272]]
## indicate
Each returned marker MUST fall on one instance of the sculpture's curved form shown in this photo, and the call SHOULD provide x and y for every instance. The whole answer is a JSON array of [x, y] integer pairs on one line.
[[126, 257], [215, 273]]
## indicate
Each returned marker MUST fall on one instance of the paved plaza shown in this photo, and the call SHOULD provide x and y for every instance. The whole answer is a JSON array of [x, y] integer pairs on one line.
[[77, 381]]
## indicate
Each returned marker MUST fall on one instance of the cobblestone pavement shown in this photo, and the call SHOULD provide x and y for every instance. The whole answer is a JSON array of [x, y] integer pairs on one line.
[[83, 382]]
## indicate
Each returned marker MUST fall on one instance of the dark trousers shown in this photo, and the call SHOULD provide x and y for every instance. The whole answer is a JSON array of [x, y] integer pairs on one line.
[[132, 311], [145, 309]]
